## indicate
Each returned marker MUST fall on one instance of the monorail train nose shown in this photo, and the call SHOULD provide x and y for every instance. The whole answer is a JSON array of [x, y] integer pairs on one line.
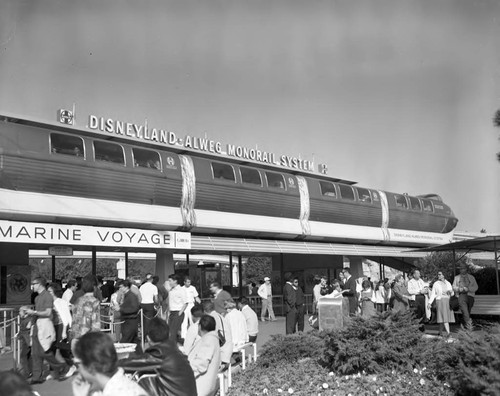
[[451, 223]]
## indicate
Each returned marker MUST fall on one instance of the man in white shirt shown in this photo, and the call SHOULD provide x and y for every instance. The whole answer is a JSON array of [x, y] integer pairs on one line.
[[238, 324], [222, 325], [149, 294], [192, 298], [177, 302], [418, 290], [251, 319], [266, 294]]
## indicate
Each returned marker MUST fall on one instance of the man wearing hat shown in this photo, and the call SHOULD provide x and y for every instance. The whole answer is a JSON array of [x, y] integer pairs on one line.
[[465, 286], [266, 294]]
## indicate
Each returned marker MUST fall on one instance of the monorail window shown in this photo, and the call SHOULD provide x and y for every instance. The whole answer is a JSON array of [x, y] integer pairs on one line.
[[414, 203], [146, 159], [66, 144], [250, 176], [401, 201], [223, 171], [346, 192], [328, 189], [275, 180], [109, 152], [427, 205], [364, 195]]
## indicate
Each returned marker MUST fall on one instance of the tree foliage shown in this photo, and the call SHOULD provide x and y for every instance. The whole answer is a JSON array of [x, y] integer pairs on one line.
[[441, 261]]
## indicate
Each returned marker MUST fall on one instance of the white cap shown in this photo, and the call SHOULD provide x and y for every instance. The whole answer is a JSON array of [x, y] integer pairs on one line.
[[267, 278]]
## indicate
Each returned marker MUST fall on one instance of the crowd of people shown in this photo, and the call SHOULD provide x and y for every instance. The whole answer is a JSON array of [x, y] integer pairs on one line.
[[65, 332], [191, 341], [431, 302]]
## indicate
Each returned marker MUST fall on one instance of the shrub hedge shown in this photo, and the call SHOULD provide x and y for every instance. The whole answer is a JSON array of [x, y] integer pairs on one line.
[[384, 355]]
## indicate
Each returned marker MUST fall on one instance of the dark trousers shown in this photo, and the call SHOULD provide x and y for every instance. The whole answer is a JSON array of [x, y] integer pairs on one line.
[[130, 331], [291, 320], [465, 302], [301, 311], [149, 312], [252, 338], [26, 364], [175, 322], [353, 305], [64, 349], [39, 355], [420, 306]]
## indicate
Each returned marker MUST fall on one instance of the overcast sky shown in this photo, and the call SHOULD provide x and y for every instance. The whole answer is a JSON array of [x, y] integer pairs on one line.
[[396, 95]]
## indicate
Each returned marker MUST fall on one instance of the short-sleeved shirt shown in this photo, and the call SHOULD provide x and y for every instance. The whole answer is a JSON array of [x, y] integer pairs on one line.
[[43, 301], [148, 292], [86, 315], [191, 293], [177, 298]]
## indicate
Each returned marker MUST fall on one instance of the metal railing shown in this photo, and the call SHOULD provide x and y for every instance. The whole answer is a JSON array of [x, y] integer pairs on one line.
[[9, 327]]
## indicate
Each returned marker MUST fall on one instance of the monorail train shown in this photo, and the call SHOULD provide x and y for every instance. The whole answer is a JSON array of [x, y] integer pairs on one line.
[[71, 176]]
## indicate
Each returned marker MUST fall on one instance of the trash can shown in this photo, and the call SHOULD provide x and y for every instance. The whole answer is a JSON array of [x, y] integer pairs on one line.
[[332, 312]]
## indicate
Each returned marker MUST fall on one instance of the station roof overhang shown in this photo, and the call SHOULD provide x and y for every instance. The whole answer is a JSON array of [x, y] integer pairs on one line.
[[260, 246], [490, 243]]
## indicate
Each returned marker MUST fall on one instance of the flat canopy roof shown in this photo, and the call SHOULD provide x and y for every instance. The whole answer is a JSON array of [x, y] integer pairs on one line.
[[489, 243]]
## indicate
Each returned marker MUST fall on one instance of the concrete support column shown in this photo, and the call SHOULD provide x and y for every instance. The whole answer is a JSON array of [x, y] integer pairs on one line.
[[165, 264], [356, 266]]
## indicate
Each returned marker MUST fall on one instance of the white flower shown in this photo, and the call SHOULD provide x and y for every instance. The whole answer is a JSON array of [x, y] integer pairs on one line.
[[330, 373], [346, 377], [393, 372], [325, 385], [377, 391], [424, 369], [415, 371], [280, 390], [374, 378], [265, 391], [422, 381], [381, 389], [290, 390], [446, 384]]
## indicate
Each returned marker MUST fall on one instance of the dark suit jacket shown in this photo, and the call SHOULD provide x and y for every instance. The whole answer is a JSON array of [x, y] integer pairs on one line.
[[219, 301], [289, 297], [351, 294]]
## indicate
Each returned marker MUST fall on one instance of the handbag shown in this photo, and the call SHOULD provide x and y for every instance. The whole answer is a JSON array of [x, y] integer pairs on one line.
[[454, 303], [313, 321]]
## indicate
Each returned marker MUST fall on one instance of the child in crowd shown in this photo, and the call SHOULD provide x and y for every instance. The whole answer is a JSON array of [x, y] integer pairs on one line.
[[24, 336]]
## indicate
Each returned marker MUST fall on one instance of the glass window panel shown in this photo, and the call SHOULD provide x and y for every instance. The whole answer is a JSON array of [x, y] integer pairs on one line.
[[109, 152], [346, 192], [328, 189], [66, 144], [223, 171], [146, 159]]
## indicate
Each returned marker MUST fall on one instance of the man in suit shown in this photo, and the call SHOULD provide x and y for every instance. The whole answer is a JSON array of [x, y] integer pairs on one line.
[[290, 299], [300, 303], [350, 293], [220, 297]]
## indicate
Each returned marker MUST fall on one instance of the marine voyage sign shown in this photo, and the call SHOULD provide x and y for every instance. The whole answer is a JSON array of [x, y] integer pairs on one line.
[[60, 234]]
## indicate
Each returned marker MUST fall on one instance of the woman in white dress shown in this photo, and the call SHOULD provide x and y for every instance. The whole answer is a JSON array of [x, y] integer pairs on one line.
[[441, 292]]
